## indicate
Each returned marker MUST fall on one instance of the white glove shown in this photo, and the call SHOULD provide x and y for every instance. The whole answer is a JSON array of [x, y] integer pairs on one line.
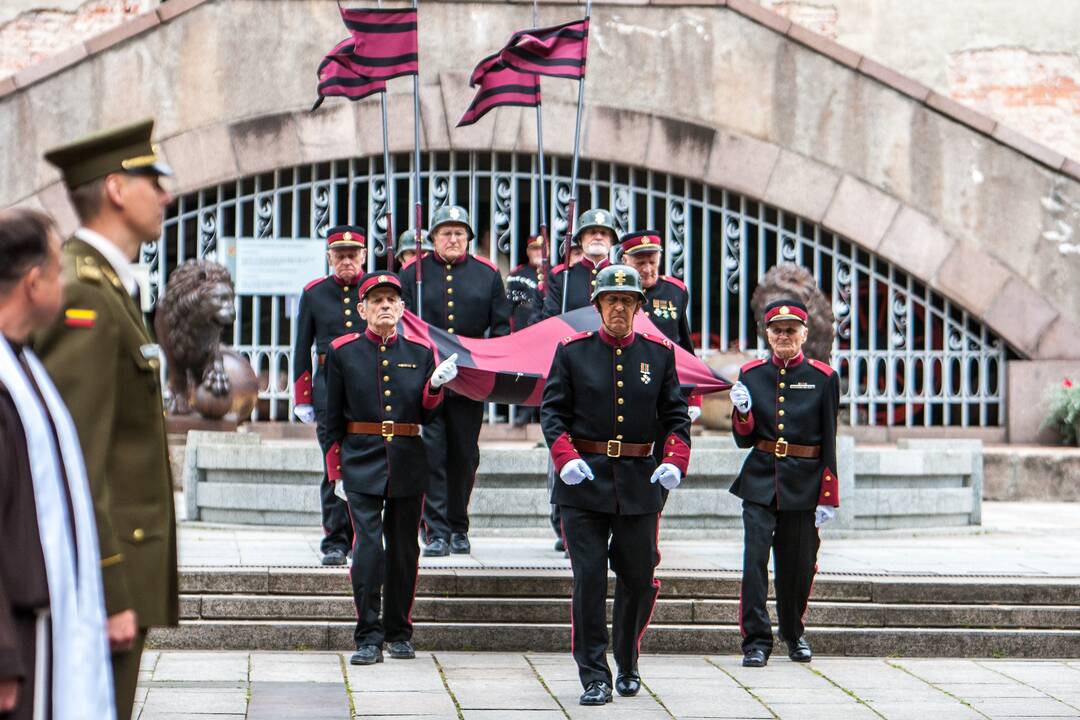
[[446, 372], [667, 475], [824, 514], [305, 413], [694, 412], [575, 471], [740, 398], [339, 490]]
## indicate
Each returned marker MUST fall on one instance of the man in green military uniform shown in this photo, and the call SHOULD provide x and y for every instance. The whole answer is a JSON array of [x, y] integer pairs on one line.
[[106, 366]]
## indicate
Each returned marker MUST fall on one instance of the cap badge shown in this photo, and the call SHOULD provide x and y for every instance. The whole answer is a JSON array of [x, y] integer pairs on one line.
[[620, 278], [383, 278], [455, 213], [599, 217], [347, 237], [785, 310]]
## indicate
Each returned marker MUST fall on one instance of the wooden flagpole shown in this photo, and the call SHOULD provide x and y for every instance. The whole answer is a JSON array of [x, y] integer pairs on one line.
[[387, 182], [571, 207], [418, 221], [546, 249]]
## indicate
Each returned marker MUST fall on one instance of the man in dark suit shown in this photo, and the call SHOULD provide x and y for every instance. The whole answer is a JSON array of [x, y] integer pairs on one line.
[[607, 393]]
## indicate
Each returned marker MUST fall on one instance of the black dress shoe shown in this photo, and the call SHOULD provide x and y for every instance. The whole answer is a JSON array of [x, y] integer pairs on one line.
[[559, 545], [755, 658], [799, 651], [597, 692], [366, 655], [628, 684], [437, 548], [459, 544], [334, 557], [401, 650]]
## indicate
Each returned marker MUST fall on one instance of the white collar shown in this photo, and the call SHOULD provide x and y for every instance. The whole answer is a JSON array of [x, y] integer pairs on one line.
[[112, 254]]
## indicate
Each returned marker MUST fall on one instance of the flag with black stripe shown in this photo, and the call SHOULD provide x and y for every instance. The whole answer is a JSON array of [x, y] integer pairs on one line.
[[513, 369], [384, 41], [558, 51], [337, 76], [499, 85]]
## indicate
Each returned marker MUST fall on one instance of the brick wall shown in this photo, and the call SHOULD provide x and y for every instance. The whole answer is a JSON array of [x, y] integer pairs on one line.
[[37, 32]]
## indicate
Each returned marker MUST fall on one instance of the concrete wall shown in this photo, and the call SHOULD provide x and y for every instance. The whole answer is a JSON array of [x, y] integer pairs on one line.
[[762, 107]]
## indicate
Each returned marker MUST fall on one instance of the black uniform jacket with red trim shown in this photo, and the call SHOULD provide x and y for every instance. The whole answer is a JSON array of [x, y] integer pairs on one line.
[[464, 297], [369, 380], [579, 280], [603, 388], [797, 402], [665, 304], [329, 308]]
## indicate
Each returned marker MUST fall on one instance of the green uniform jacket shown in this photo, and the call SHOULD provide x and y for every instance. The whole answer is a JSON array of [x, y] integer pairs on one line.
[[100, 356]]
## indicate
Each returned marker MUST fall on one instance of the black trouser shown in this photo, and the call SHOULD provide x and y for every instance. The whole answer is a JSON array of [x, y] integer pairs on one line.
[[794, 542], [453, 454], [393, 521], [337, 531], [633, 556]]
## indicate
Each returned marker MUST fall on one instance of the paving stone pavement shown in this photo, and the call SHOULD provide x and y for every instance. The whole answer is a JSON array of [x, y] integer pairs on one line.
[[498, 686]]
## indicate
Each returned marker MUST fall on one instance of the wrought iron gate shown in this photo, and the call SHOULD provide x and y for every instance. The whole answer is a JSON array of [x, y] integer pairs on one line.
[[907, 355]]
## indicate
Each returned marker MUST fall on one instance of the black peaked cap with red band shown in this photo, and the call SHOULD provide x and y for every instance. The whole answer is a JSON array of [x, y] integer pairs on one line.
[[786, 310], [343, 236], [640, 242], [378, 280]]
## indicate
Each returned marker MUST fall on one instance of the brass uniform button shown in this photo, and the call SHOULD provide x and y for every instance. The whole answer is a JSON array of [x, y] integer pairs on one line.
[[386, 378], [618, 368], [449, 266], [621, 401], [618, 437], [348, 312], [386, 393], [450, 316], [345, 289], [348, 323], [138, 534], [781, 413], [619, 419], [781, 398], [449, 278], [780, 426], [827, 493], [347, 301], [781, 386], [388, 408], [828, 478], [385, 363], [783, 372], [449, 291], [450, 330], [382, 348], [619, 384], [450, 304], [671, 454], [618, 351]]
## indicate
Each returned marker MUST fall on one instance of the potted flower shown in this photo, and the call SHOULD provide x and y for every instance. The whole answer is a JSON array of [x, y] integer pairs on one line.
[[1063, 411]]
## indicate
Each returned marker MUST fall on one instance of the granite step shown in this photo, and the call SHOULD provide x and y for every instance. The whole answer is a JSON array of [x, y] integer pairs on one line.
[[669, 611], [675, 638], [695, 585]]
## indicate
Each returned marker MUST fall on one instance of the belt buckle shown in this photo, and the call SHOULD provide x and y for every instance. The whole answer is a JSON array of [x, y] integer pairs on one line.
[[780, 450], [388, 429], [614, 448]]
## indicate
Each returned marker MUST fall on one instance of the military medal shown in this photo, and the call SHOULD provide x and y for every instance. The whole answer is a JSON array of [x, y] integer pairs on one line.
[[646, 376]]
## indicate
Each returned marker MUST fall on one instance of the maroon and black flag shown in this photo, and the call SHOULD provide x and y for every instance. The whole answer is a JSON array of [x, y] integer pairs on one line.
[[385, 43], [558, 51], [338, 76], [513, 369], [499, 85]]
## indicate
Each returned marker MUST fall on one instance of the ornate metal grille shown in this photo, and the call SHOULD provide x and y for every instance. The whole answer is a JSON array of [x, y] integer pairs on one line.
[[907, 355]]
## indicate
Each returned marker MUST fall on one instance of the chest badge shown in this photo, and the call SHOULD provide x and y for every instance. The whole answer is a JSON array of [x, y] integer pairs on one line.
[[646, 374], [803, 386]]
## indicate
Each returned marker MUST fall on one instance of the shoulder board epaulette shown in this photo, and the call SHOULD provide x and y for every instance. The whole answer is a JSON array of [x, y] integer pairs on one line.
[[418, 341], [674, 281], [824, 368], [558, 269], [86, 268], [580, 336], [751, 365], [344, 340], [487, 262], [315, 282], [657, 339]]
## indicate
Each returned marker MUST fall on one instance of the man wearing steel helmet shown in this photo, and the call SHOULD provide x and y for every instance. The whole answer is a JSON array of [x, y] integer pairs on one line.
[[610, 397], [463, 295], [381, 388], [785, 409], [406, 247], [328, 309], [596, 233]]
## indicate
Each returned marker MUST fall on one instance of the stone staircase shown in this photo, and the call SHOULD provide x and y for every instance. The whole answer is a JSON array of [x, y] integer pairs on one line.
[[529, 609]]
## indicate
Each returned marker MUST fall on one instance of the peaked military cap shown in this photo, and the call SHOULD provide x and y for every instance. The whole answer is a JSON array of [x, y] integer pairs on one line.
[[124, 149], [343, 236], [596, 218], [617, 278], [449, 214], [378, 280], [641, 242], [786, 310]]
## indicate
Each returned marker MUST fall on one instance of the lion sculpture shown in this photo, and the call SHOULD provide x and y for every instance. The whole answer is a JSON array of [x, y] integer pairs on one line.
[[191, 316], [796, 282]]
